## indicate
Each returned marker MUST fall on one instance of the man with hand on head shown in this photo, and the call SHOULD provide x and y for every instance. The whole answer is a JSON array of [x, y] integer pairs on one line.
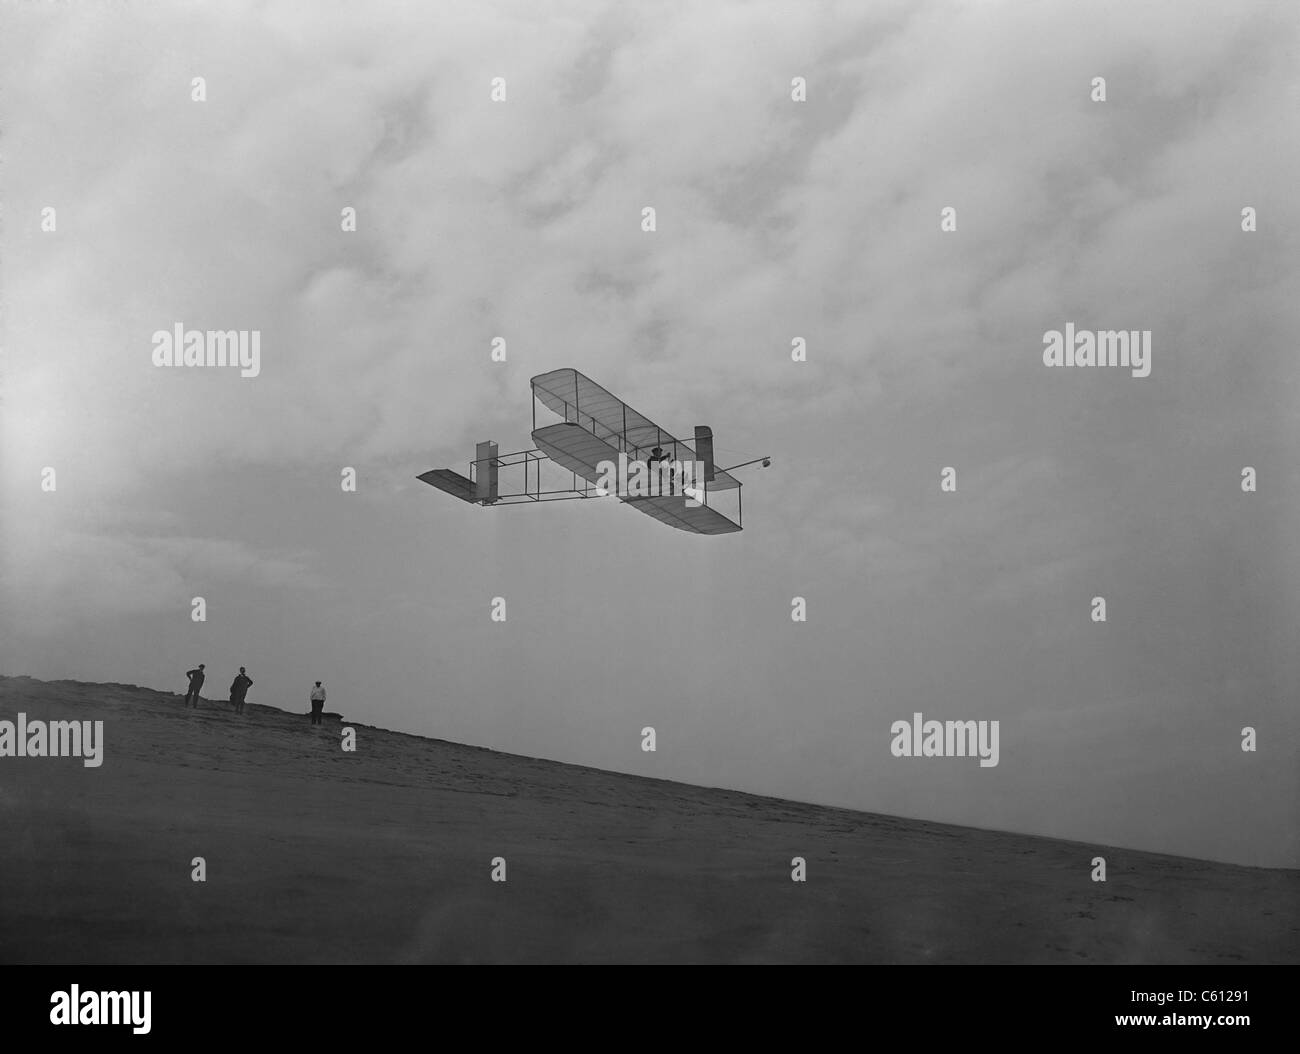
[[196, 682]]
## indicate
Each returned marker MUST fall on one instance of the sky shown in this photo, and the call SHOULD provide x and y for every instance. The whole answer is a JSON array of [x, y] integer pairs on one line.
[[776, 219]]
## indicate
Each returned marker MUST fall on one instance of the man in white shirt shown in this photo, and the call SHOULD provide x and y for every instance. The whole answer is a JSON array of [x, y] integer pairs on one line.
[[317, 705]]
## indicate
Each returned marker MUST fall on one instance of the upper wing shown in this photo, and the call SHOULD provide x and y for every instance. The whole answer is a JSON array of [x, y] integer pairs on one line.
[[579, 399]]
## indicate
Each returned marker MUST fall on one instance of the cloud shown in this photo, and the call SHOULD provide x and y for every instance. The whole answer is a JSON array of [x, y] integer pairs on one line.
[[91, 574]]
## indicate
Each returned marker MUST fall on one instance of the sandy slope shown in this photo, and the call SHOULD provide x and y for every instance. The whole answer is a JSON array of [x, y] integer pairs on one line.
[[384, 855]]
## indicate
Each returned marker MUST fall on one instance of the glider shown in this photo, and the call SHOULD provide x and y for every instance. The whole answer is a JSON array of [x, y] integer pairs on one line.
[[678, 482]]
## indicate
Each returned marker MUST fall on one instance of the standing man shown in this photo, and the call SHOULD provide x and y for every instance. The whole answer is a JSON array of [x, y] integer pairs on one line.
[[317, 705], [239, 690], [196, 682]]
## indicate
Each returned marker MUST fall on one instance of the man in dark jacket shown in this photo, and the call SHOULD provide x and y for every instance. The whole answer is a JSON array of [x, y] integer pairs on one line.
[[239, 690], [196, 682]]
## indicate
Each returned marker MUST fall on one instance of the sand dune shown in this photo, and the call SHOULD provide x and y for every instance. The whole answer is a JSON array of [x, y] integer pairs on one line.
[[315, 855]]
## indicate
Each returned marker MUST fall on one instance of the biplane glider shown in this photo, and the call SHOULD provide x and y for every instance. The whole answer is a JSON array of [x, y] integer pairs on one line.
[[604, 448]]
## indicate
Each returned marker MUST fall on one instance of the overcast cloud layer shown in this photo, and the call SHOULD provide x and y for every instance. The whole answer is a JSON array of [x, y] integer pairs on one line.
[[776, 220]]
